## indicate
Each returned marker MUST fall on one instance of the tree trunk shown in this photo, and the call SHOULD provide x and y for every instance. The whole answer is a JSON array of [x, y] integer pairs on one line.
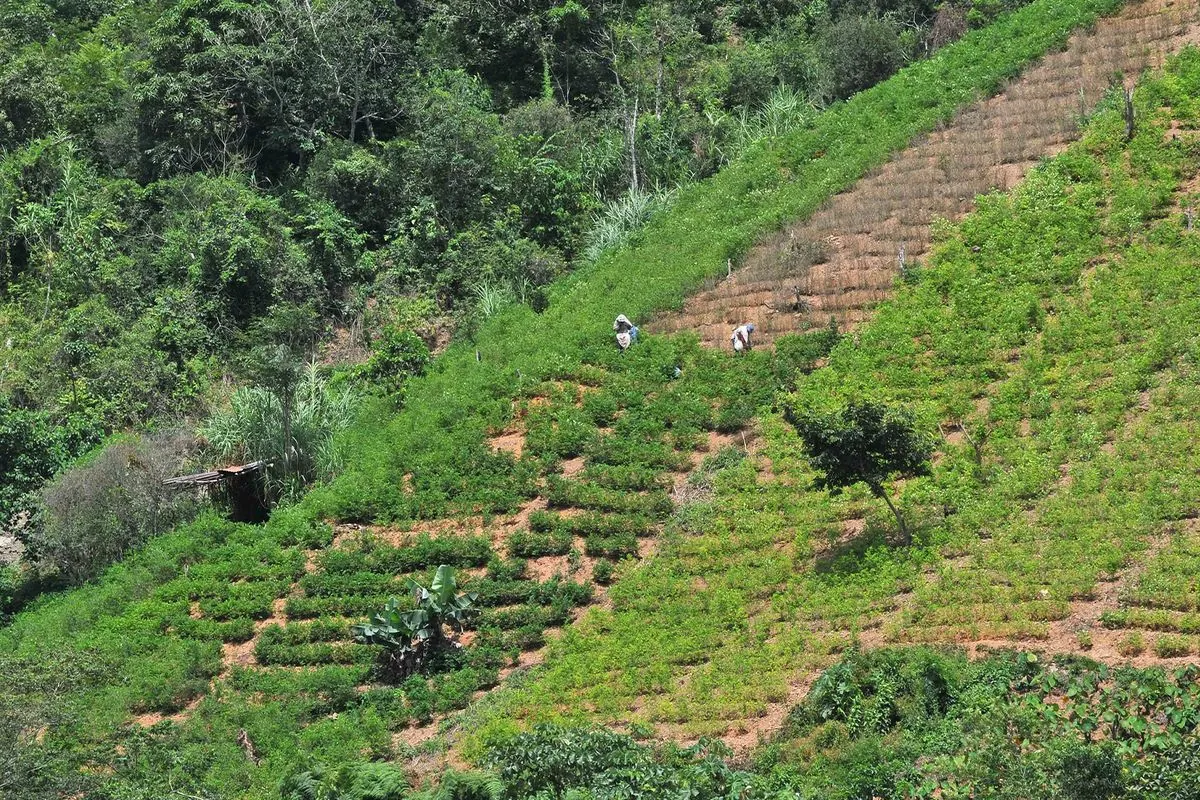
[[633, 176], [905, 535]]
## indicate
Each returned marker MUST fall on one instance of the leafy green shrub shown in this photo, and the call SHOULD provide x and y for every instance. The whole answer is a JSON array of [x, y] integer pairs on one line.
[[560, 761], [426, 551], [396, 356], [233, 630], [602, 573], [601, 407], [624, 478], [294, 526], [798, 354], [558, 590], [608, 525], [614, 547], [362, 781], [345, 606], [1090, 772], [1131, 644], [494, 592], [341, 584], [543, 521], [533, 545], [558, 432], [1167, 646], [511, 619], [564, 493], [861, 52]]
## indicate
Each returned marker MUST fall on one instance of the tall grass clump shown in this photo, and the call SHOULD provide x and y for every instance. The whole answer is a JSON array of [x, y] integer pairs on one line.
[[252, 429], [621, 219], [786, 110]]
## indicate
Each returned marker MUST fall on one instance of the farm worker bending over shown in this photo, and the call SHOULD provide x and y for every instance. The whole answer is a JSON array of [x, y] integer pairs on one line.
[[627, 332], [740, 338]]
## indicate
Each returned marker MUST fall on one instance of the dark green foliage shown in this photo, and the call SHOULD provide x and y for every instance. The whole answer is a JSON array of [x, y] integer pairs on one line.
[[612, 546], [797, 354], [602, 573], [1091, 771], [366, 781], [533, 545], [556, 761], [421, 553], [396, 356], [916, 720], [862, 51], [863, 442], [33, 447]]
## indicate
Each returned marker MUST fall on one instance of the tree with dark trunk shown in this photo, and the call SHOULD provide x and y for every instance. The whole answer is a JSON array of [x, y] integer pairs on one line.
[[864, 442]]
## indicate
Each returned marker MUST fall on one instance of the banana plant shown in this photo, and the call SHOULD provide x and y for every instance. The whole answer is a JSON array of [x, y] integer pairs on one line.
[[409, 634], [439, 605], [390, 627]]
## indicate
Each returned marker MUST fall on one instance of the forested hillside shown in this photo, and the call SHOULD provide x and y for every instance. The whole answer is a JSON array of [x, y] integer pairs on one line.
[[534, 534]]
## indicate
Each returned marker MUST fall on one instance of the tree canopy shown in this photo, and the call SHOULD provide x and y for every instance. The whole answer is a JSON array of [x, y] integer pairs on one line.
[[864, 442]]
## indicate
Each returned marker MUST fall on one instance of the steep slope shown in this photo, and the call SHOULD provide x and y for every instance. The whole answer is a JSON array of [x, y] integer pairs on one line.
[[1052, 339], [845, 258], [171, 626]]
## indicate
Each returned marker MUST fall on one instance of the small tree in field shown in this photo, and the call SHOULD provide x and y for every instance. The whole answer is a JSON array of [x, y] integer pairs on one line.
[[864, 442]]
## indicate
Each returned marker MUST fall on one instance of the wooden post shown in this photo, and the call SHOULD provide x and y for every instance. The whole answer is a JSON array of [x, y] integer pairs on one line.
[[1129, 114]]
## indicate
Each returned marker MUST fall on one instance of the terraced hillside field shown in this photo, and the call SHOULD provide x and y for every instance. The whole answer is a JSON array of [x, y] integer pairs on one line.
[[1052, 340], [846, 257], [641, 530]]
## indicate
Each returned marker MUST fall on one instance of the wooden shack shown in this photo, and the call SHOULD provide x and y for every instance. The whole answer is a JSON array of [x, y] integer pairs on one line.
[[241, 487]]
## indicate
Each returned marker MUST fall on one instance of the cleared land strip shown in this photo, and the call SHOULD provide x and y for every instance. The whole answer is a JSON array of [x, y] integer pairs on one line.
[[844, 259]]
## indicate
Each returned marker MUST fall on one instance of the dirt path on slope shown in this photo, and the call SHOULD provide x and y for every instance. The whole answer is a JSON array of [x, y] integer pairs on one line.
[[844, 259]]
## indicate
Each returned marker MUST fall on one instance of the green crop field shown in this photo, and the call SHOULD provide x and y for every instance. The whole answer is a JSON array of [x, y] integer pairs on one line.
[[646, 548], [1033, 333]]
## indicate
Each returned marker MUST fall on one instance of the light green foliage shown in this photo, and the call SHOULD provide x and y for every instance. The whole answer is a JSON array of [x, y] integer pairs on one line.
[[786, 583], [252, 428]]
